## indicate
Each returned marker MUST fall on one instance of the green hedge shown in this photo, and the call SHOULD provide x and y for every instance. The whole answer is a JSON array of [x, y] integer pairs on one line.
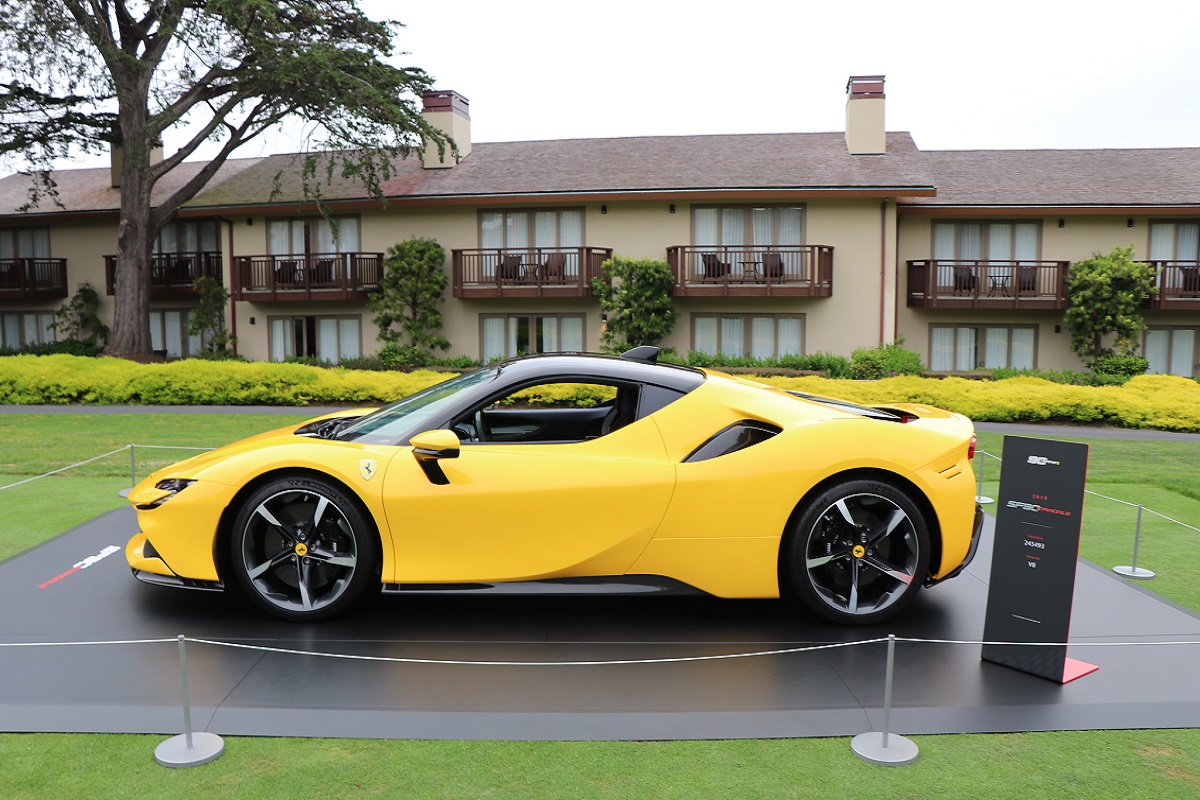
[[62, 379], [1148, 401]]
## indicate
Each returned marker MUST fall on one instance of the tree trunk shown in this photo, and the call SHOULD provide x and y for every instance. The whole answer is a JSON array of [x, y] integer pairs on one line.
[[135, 234]]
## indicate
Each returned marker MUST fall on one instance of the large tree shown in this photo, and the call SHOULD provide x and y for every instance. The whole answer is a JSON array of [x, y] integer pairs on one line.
[[84, 75]]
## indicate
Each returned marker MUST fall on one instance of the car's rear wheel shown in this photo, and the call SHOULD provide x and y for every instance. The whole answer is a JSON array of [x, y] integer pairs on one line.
[[858, 553], [302, 549]]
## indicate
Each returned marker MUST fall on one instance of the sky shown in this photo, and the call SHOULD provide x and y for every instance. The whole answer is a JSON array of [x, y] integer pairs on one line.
[[959, 75]]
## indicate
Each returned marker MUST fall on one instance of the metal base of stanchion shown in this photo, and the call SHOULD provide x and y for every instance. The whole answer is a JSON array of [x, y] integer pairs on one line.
[[984, 500], [1134, 572], [174, 752], [899, 751], [124, 492]]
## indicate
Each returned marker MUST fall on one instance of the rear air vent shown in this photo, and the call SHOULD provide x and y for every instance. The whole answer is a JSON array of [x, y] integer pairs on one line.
[[738, 436]]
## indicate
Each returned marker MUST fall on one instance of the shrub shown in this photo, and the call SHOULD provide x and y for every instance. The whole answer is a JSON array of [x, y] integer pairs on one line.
[[1122, 366], [884, 361]]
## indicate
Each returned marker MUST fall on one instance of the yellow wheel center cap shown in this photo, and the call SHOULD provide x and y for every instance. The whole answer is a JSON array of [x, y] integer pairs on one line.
[[301, 549], [859, 551]]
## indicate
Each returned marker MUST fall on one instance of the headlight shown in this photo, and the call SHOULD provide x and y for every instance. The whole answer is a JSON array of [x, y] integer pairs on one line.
[[172, 487]]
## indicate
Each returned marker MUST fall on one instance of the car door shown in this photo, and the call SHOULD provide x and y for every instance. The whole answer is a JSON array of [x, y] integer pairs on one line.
[[524, 511]]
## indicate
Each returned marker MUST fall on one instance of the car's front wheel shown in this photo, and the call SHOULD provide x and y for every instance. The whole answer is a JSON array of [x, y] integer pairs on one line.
[[302, 549], [858, 553]]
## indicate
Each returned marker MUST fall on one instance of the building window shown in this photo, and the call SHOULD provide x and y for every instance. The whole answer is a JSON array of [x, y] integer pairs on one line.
[[508, 335], [1173, 351], [1175, 241], [187, 237], [747, 225], [754, 335], [24, 243], [331, 339], [546, 228], [20, 329], [169, 336], [961, 348], [986, 241], [301, 237]]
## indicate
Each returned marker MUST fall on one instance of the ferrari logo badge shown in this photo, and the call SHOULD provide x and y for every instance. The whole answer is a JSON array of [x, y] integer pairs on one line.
[[367, 468]]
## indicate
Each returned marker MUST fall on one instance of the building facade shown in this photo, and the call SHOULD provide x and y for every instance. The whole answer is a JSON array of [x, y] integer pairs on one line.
[[779, 244]]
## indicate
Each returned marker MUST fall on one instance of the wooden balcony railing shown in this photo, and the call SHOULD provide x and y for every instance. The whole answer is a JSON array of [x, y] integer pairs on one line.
[[1176, 286], [174, 273], [527, 271], [33, 278], [958, 283], [316, 276], [752, 270]]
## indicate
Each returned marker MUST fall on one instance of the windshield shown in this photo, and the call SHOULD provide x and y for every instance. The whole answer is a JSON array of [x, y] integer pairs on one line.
[[414, 413]]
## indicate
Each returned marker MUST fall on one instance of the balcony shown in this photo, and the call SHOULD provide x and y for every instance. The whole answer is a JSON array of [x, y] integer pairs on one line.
[[316, 276], [527, 271], [174, 273], [957, 283], [33, 278], [1176, 286], [752, 270]]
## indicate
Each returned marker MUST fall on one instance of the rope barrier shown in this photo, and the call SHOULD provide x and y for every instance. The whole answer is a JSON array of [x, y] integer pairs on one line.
[[593, 663]]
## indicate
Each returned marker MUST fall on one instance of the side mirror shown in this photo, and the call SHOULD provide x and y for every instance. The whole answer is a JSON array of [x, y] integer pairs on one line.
[[431, 447], [434, 445]]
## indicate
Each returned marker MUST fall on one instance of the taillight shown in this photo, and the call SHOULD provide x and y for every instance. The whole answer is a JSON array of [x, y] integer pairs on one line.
[[971, 449]]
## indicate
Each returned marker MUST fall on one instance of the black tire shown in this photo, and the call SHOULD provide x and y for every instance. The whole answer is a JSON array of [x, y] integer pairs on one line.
[[303, 550], [858, 553]]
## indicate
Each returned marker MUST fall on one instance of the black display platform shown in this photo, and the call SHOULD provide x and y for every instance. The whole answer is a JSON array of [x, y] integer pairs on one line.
[[939, 688]]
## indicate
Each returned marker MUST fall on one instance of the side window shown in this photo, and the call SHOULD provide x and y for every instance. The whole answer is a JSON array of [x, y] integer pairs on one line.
[[559, 411]]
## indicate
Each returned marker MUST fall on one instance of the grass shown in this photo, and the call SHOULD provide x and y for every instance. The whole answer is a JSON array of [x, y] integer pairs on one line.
[[1123, 765]]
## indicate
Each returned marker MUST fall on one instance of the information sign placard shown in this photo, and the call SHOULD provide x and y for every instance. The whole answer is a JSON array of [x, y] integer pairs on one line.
[[1038, 516]]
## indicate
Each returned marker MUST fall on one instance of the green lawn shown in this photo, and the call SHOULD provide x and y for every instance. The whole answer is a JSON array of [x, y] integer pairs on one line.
[[1123, 765]]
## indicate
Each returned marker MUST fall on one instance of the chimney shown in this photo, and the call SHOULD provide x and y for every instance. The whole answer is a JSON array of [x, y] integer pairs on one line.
[[864, 116], [449, 112]]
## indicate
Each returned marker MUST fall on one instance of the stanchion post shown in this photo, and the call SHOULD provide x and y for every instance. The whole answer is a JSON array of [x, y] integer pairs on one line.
[[188, 749], [979, 496], [132, 466], [1134, 571], [878, 747]]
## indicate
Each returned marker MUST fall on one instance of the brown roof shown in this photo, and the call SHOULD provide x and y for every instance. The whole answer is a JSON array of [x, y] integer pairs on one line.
[[1064, 178], [83, 191], [667, 164]]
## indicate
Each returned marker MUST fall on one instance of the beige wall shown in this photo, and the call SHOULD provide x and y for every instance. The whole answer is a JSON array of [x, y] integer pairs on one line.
[[839, 324]]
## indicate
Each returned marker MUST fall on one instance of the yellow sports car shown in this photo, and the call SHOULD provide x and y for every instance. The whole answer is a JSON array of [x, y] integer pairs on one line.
[[571, 473]]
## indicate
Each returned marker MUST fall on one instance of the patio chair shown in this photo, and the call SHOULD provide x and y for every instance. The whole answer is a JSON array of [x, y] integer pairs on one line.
[[964, 279], [510, 269], [714, 267], [554, 270], [1027, 282], [1190, 281], [773, 266]]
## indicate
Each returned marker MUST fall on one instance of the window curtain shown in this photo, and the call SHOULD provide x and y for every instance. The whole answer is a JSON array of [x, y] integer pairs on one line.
[[12, 330], [1022, 355], [279, 237], [704, 335], [789, 336], [733, 226], [327, 339], [964, 350], [1188, 248], [762, 227], [549, 335], [493, 338], [1183, 343], [570, 332], [791, 226], [995, 348], [733, 336], [1158, 351], [281, 339], [348, 338], [173, 333], [943, 250], [941, 349], [762, 337]]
